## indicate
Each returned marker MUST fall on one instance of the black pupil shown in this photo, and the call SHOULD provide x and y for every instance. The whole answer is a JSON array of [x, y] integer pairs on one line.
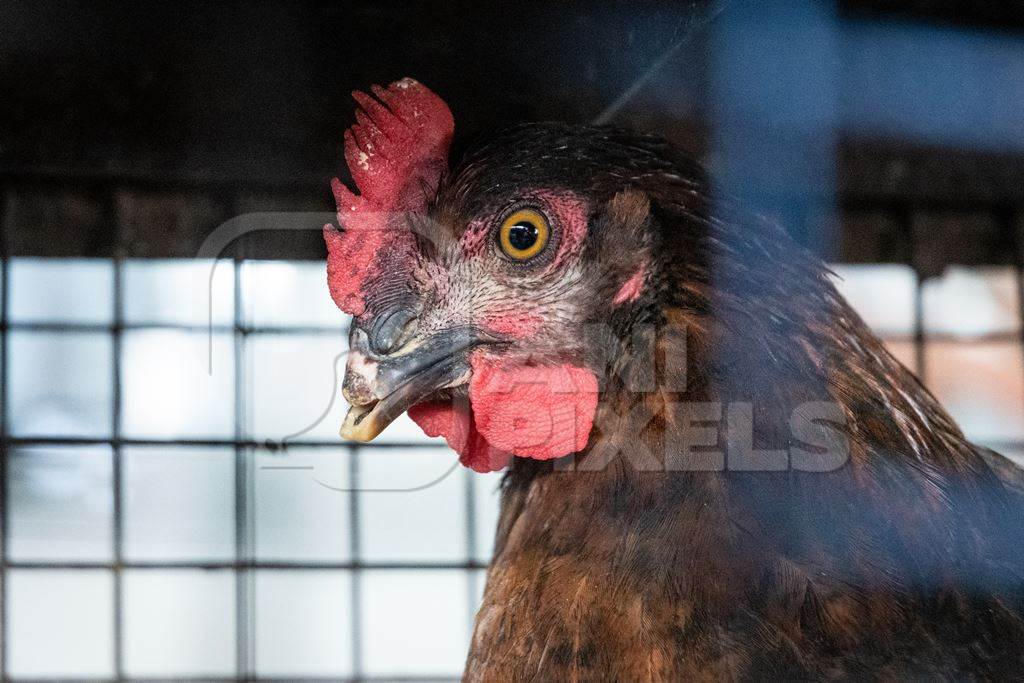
[[522, 236]]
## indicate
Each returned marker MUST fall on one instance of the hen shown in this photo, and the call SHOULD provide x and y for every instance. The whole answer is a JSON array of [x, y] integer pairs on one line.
[[714, 468]]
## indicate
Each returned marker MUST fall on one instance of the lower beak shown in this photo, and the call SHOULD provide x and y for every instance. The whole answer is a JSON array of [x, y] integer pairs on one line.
[[380, 388]]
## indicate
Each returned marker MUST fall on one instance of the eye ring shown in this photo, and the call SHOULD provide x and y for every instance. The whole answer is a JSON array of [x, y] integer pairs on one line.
[[523, 234]]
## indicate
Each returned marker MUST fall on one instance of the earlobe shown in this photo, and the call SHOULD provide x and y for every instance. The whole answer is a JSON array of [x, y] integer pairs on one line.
[[631, 288], [624, 245]]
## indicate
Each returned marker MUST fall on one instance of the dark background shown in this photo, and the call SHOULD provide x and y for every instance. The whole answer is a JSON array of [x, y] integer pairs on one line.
[[134, 130]]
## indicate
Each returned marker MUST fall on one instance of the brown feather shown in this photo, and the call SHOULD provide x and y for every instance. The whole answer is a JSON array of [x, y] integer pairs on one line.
[[906, 561]]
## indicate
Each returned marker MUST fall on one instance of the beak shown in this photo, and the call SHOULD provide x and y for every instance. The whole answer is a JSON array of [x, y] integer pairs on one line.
[[382, 387]]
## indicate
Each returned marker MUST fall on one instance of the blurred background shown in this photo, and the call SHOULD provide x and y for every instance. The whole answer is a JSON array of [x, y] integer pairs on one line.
[[176, 503]]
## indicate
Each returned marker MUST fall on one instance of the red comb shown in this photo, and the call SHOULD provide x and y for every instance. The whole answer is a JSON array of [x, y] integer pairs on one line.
[[396, 153]]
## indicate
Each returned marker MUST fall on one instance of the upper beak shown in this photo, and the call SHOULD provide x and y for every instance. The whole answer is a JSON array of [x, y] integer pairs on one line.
[[382, 387]]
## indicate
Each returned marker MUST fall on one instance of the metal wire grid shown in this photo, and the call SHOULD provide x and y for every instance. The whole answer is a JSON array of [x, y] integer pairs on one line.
[[1009, 221], [244, 564]]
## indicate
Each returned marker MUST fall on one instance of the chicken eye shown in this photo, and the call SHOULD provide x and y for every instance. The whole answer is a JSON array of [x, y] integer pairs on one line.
[[523, 234]]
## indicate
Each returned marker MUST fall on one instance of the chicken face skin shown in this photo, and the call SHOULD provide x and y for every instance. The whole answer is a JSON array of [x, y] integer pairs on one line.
[[516, 333]]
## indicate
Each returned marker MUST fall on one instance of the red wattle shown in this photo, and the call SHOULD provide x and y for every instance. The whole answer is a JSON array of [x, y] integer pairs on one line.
[[459, 430], [540, 412]]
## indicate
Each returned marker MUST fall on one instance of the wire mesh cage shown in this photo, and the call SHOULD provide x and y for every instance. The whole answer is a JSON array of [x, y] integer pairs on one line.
[[158, 479]]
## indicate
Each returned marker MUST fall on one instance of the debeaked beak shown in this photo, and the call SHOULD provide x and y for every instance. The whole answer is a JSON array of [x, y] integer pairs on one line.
[[382, 387]]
